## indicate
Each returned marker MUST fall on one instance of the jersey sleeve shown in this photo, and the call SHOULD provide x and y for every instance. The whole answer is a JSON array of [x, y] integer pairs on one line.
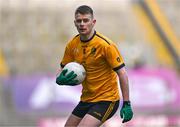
[[68, 55], [114, 57]]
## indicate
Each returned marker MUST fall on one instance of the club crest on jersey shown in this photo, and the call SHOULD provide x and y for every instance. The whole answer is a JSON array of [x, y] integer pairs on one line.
[[118, 59], [93, 51]]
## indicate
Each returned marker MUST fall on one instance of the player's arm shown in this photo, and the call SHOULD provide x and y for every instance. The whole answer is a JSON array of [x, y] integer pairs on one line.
[[124, 84], [116, 61], [64, 77], [126, 111]]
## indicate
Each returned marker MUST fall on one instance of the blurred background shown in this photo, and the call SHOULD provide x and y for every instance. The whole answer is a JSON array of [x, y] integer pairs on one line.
[[33, 35]]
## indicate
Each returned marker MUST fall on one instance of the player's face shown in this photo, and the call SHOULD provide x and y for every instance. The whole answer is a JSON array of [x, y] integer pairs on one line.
[[84, 23]]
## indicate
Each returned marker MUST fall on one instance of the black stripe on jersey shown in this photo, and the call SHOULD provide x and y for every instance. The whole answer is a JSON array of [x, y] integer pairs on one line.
[[103, 38], [76, 35], [119, 67]]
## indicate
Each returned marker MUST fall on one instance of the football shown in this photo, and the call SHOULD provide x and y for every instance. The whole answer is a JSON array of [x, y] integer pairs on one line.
[[78, 69]]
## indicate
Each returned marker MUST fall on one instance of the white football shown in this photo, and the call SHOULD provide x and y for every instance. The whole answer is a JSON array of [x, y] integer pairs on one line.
[[78, 69]]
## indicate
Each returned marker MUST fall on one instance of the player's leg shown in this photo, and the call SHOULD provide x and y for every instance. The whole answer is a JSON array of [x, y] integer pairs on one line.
[[89, 121], [99, 113], [78, 113], [73, 121]]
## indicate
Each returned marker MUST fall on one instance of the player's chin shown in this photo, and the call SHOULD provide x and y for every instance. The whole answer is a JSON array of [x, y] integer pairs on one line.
[[83, 32]]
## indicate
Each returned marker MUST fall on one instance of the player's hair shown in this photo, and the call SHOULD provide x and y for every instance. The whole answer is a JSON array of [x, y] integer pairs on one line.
[[84, 9]]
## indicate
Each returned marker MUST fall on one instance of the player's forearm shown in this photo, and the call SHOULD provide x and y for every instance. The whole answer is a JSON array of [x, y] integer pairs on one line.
[[124, 84], [124, 87]]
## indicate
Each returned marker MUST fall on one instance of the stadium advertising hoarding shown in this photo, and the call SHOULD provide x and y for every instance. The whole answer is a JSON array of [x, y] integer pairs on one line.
[[152, 89]]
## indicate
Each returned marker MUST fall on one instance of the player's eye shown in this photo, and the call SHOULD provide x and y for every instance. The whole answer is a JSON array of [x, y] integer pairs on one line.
[[78, 21], [85, 20]]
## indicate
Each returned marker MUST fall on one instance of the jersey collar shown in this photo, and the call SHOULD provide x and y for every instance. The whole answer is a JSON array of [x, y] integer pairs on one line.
[[89, 38]]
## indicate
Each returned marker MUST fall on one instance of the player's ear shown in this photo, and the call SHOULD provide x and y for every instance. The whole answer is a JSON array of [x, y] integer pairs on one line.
[[94, 21]]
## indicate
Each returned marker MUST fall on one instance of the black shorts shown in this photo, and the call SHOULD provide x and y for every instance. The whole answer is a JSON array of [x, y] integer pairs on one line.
[[102, 110]]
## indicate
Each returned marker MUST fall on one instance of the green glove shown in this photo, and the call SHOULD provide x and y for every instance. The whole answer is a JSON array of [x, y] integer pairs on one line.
[[126, 111], [66, 79]]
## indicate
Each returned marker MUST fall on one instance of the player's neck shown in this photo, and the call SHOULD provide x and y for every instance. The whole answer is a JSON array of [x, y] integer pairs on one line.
[[86, 38]]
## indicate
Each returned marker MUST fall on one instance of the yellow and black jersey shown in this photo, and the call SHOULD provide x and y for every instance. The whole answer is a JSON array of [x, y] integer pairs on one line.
[[100, 57]]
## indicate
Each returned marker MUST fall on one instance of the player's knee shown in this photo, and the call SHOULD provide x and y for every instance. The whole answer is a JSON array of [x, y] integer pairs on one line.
[[71, 124], [72, 121], [89, 121]]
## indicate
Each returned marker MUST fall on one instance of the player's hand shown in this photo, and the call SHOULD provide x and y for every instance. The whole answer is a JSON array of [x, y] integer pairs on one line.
[[66, 79], [126, 111]]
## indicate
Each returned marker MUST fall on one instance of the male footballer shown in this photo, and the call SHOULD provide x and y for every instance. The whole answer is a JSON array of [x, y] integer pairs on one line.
[[104, 66]]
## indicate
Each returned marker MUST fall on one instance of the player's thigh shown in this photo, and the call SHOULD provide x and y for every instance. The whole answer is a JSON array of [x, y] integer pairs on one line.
[[99, 113], [73, 121], [89, 121], [104, 110]]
